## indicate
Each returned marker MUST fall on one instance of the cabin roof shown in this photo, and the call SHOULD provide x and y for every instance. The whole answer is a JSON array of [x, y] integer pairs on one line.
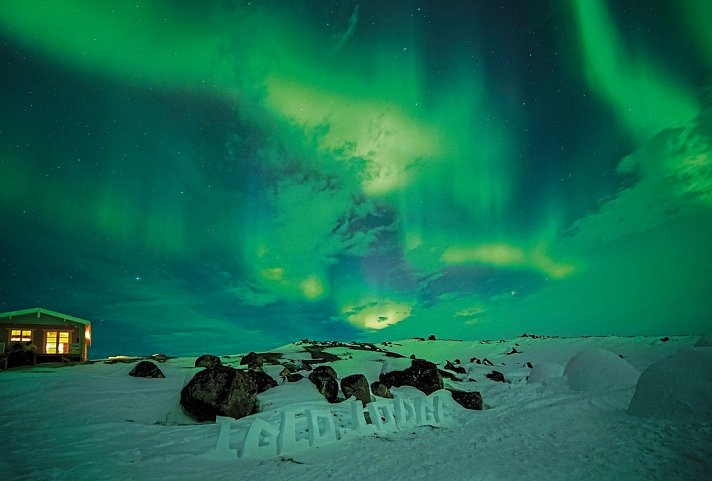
[[39, 312]]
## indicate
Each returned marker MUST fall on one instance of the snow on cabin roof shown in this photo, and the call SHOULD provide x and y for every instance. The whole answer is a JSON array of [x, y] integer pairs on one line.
[[40, 312]]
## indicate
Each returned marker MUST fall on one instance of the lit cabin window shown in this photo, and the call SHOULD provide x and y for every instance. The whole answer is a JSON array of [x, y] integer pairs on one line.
[[57, 342], [20, 335]]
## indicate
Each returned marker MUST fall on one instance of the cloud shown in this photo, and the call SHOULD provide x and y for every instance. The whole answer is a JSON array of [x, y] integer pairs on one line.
[[653, 282], [304, 208], [673, 178], [646, 248], [505, 255], [377, 314]]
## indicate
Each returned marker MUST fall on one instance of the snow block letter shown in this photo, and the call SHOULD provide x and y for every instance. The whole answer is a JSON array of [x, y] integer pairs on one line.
[[222, 448], [404, 412], [382, 418], [287, 439], [321, 427], [261, 440]]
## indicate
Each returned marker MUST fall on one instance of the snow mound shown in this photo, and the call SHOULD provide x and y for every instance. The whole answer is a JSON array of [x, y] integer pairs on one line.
[[545, 370], [704, 341], [676, 387], [597, 369]]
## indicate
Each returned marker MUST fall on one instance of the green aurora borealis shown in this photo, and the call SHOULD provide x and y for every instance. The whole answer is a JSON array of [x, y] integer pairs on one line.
[[240, 174]]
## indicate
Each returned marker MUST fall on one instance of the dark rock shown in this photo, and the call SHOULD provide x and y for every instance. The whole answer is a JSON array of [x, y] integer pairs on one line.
[[319, 370], [457, 361], [529, 365], [325, 382], [394, 354], [468, 400], [431, 337], [263, 380], [356, 385], [496, 376], [381, 390], [161, 357], [454, 368], [291, 366], [474, 359], [208, 360], [219, 390], [421, 374], [146, 369], [513, 351], [294, 377], [412, 356], [665, 339], [317, 353], [251, 359], [533, 336], [487, 362]]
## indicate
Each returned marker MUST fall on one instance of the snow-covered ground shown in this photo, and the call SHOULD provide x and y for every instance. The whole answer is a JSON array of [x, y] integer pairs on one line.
[[94, 422]]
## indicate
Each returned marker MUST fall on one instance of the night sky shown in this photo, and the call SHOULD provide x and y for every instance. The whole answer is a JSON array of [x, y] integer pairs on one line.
[[223, 176]]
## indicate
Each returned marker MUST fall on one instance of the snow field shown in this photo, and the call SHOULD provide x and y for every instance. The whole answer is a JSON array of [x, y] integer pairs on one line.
[[94, 422]]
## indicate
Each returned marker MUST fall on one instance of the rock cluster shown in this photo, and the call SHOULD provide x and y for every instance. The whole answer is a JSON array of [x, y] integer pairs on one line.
[[220, 390], [421, 374], [484, 361], [452, 367]]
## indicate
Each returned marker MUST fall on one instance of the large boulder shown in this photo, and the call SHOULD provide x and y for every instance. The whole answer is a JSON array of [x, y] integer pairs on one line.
[[328, 370], [356, 385], [596, 369], [468, 400], [146, 369], [678, 387], [324, 378], [208, 360], [421, 374], [219, 391], [263, 380]]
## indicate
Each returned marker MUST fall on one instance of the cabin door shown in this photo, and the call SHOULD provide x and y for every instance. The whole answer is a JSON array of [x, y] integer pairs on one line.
[[57, 342]]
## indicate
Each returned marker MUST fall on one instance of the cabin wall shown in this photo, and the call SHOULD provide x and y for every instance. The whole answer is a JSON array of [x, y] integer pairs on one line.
[[39, 335]]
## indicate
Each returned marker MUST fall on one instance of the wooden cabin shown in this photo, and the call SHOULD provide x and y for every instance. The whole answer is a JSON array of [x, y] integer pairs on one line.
[[56, 337]]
